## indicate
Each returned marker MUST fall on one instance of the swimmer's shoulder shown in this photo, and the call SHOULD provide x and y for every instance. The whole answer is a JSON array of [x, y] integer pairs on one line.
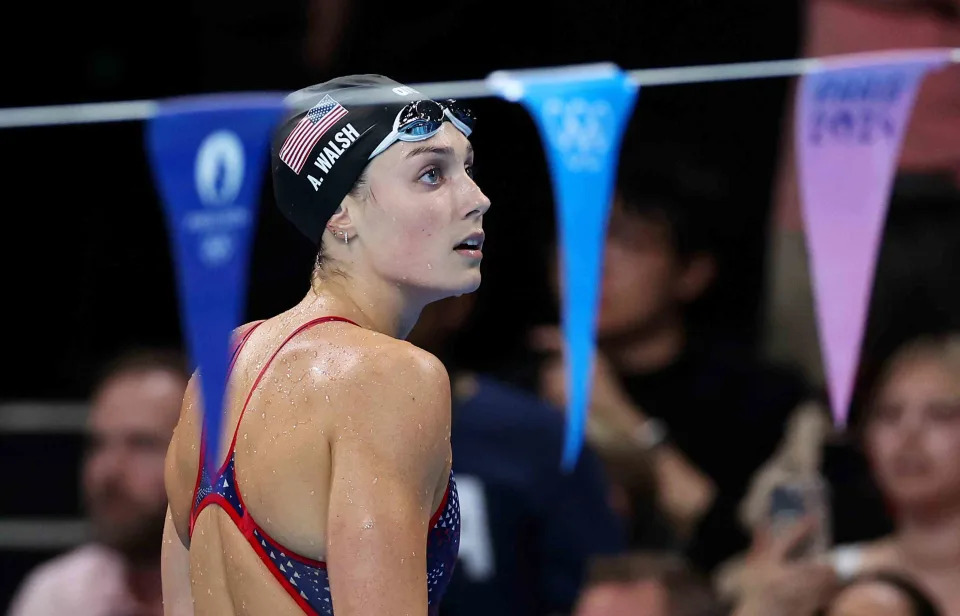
[[377, 374], [362, 356]]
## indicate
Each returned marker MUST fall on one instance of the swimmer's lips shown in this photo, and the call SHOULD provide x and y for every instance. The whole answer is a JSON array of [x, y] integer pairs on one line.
[[472, 245]]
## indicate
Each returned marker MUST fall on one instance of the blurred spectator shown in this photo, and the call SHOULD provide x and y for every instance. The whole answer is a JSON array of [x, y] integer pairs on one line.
[[528, 528], [881, 594], [810, 588], [775, 583], [646, 585], [911, 435], [917, 289], [699, 412], [134, 408], [781, 586]]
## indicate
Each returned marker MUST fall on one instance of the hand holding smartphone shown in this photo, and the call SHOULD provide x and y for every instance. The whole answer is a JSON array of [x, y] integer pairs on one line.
[[797, 501]]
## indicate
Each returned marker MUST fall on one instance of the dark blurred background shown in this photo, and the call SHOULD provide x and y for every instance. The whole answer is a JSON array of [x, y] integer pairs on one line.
[[96, 274], [86, 257]]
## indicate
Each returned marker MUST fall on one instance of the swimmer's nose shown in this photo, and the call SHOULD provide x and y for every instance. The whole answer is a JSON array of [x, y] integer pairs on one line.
[[479, 203]]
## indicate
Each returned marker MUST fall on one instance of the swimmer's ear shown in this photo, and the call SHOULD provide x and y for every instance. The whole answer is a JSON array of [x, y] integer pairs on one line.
[[341, 224]]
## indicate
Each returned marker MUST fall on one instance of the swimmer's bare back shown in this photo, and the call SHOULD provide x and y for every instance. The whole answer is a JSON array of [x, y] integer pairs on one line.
[[342, 455]]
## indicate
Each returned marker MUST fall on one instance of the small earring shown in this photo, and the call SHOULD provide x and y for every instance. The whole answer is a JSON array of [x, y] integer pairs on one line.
[[346, 238]]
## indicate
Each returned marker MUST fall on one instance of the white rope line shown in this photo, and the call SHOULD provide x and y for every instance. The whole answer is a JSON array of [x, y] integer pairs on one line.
[[86, 113], [38, 416], [43, 534]]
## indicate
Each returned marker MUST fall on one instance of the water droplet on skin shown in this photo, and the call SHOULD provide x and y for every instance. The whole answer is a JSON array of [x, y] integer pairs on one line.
[[375, 480], [312, 492], [244, 436], [429, 267]]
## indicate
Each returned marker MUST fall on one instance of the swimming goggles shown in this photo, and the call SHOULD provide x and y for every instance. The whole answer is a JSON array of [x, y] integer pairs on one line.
[[422, 119]]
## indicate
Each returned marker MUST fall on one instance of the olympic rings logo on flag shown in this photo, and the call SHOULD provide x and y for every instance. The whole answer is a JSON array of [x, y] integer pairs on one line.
[[580, 135]]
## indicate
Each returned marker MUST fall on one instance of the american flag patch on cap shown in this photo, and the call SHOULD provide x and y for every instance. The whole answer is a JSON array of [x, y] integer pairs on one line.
[[309, 130]]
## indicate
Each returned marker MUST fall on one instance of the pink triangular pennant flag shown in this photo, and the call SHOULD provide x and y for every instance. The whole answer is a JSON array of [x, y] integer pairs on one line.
[[851, 117]]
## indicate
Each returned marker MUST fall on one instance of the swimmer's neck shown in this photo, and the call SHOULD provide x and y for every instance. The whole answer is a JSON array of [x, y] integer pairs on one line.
[[379, 307]]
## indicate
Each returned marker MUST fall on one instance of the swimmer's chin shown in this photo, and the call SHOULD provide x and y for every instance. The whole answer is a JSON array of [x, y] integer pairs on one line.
[[472, 286], [463, 285], [464, 289]]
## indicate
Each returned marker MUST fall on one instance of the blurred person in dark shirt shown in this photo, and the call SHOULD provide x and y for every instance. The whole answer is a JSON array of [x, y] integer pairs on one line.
[[133, 410], [701, 412], [528, 529]]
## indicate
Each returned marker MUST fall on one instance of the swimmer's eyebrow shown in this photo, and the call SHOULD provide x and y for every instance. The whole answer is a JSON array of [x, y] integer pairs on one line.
[[438, 150], [428, 149]]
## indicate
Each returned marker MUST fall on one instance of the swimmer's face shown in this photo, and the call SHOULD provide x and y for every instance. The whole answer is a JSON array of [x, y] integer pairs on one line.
[[419, 208], [131, 422], [913, 433]]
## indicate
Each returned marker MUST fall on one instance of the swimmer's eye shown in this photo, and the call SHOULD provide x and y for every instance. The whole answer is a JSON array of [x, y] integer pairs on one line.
[[431, 176]]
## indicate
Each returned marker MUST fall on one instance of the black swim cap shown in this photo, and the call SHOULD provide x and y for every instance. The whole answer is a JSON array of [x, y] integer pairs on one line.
[[325, 141]]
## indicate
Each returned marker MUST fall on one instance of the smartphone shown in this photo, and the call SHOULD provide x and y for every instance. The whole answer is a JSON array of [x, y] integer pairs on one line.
[[793, 500]]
